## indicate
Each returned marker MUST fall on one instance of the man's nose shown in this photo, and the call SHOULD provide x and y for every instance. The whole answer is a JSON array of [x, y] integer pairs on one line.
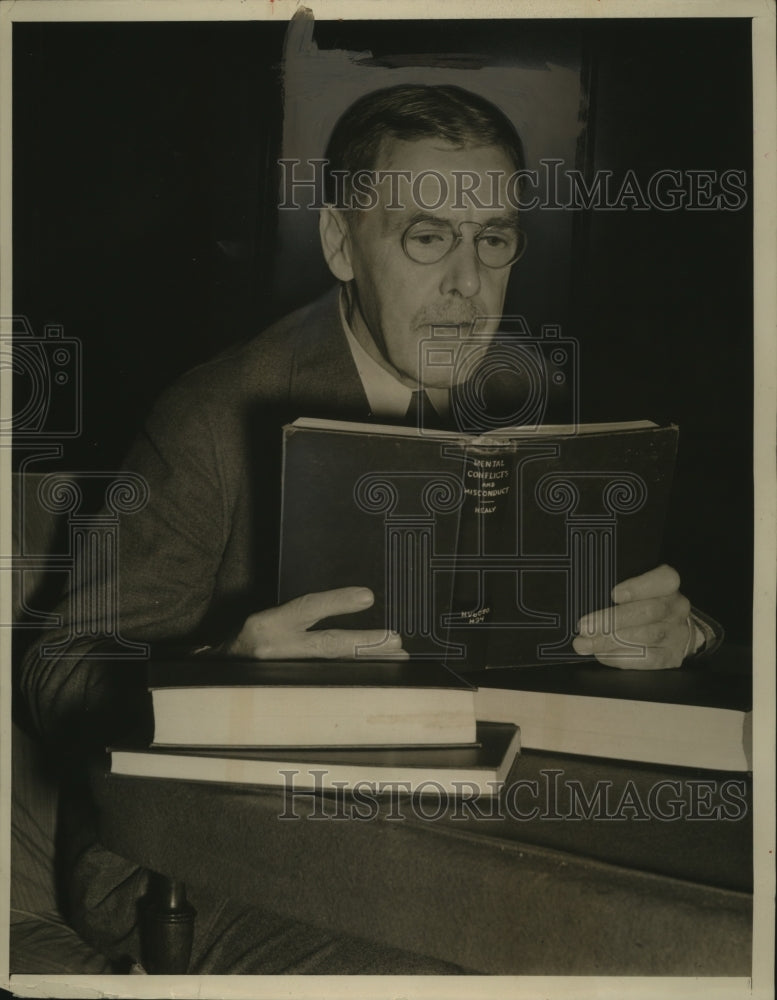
[[462, 270]]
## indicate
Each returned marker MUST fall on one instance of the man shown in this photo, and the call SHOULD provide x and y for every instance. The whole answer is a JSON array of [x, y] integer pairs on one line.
[[397, 287], [198, 563]]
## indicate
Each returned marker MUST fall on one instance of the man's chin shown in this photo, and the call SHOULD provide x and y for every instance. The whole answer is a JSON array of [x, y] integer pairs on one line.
[[445, 331], [448, 353]]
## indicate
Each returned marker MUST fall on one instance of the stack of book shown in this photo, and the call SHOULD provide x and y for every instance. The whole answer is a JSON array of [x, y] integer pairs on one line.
[[320, 725]]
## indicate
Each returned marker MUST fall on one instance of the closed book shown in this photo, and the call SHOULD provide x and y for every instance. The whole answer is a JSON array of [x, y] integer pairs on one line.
[[482, 550], [472, 770], [235, 702], [697, 716]]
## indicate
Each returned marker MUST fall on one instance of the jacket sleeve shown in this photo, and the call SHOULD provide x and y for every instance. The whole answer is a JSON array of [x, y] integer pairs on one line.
[[711, 631], [77, 681]]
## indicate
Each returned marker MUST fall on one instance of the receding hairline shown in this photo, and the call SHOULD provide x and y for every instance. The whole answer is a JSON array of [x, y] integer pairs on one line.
[[382, 161], [413, 112]]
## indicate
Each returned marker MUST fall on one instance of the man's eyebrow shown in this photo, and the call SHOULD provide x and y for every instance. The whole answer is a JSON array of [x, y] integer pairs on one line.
[[508, 219], [402, 222]]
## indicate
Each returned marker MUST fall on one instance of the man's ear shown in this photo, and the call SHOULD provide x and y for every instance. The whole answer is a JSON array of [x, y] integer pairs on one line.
[[336, 243]]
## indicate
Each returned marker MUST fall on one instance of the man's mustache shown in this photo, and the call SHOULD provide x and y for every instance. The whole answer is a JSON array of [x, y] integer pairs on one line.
[[464, 313]]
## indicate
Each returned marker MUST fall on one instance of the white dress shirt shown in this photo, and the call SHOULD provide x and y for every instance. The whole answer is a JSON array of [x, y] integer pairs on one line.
[[388, 398]]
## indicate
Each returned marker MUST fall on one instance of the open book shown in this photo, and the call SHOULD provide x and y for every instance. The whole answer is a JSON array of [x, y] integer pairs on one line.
[[482, 550]]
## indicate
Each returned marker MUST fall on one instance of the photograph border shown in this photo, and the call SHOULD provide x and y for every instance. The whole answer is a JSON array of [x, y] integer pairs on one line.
[[762, 14]]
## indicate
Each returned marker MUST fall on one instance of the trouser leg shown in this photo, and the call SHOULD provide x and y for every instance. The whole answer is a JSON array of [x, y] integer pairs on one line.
[[228, 937]]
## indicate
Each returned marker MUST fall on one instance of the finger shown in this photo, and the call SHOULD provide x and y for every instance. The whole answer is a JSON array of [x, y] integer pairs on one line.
[[673, 608], [302, 612], [657, 658], [658, 582], [345, 644], [614, 619], [637, 645], [607, 645], [653, 634], [352, 644]]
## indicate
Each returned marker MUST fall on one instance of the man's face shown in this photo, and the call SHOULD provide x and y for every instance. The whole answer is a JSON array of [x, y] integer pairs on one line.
[[397, 302]]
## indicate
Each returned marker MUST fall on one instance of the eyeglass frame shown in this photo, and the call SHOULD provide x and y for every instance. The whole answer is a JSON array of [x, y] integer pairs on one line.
[[459, 236]]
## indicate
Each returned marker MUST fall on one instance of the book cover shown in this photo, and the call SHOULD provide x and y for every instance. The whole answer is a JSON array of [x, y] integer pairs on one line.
[[696, 716], [481, 550], [472, 770], [235, 702]]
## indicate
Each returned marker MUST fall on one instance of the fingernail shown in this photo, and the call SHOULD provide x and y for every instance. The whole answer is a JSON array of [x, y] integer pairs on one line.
[[587, 625], [583, 645], [364, 596]]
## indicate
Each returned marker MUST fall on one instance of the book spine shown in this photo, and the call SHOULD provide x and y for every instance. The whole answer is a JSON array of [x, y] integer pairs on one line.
[[486, 535], [489, 615]]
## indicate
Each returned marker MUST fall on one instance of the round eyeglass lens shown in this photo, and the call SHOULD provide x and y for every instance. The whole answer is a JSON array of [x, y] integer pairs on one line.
[[497, 247], [427, 243]]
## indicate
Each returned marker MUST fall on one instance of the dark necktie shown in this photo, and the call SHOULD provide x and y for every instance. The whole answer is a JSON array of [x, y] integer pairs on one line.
[[421, 413]]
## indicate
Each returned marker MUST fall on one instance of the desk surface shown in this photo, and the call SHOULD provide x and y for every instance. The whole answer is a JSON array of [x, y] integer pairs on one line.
[[626, 889]]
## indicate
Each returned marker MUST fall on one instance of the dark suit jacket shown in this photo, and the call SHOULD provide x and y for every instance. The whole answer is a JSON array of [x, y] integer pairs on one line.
[[202, 554]]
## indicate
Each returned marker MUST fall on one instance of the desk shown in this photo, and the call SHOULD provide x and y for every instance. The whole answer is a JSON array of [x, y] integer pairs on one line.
[[614, 893]]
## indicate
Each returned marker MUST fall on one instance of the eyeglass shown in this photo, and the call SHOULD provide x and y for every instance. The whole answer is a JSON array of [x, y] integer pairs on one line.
[[427, 242]]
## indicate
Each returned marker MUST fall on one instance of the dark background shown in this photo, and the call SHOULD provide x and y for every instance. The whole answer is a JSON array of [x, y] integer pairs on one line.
[[144, 224]]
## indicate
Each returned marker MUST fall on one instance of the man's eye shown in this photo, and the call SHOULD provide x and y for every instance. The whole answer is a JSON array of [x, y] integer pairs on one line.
[[494, 240], [427, 239]]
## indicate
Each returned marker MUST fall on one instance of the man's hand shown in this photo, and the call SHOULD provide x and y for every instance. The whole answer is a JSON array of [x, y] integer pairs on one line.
[[647, 629], [282, 633]]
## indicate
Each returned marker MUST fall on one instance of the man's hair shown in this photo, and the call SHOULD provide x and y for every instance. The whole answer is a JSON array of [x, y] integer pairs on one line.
[[412, 112]]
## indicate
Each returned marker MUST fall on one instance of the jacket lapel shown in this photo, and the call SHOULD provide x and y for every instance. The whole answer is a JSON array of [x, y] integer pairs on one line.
[[323, 374]]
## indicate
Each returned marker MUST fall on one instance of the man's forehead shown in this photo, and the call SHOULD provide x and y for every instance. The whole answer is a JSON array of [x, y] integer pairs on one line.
[[436, 153], [430, 177]]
